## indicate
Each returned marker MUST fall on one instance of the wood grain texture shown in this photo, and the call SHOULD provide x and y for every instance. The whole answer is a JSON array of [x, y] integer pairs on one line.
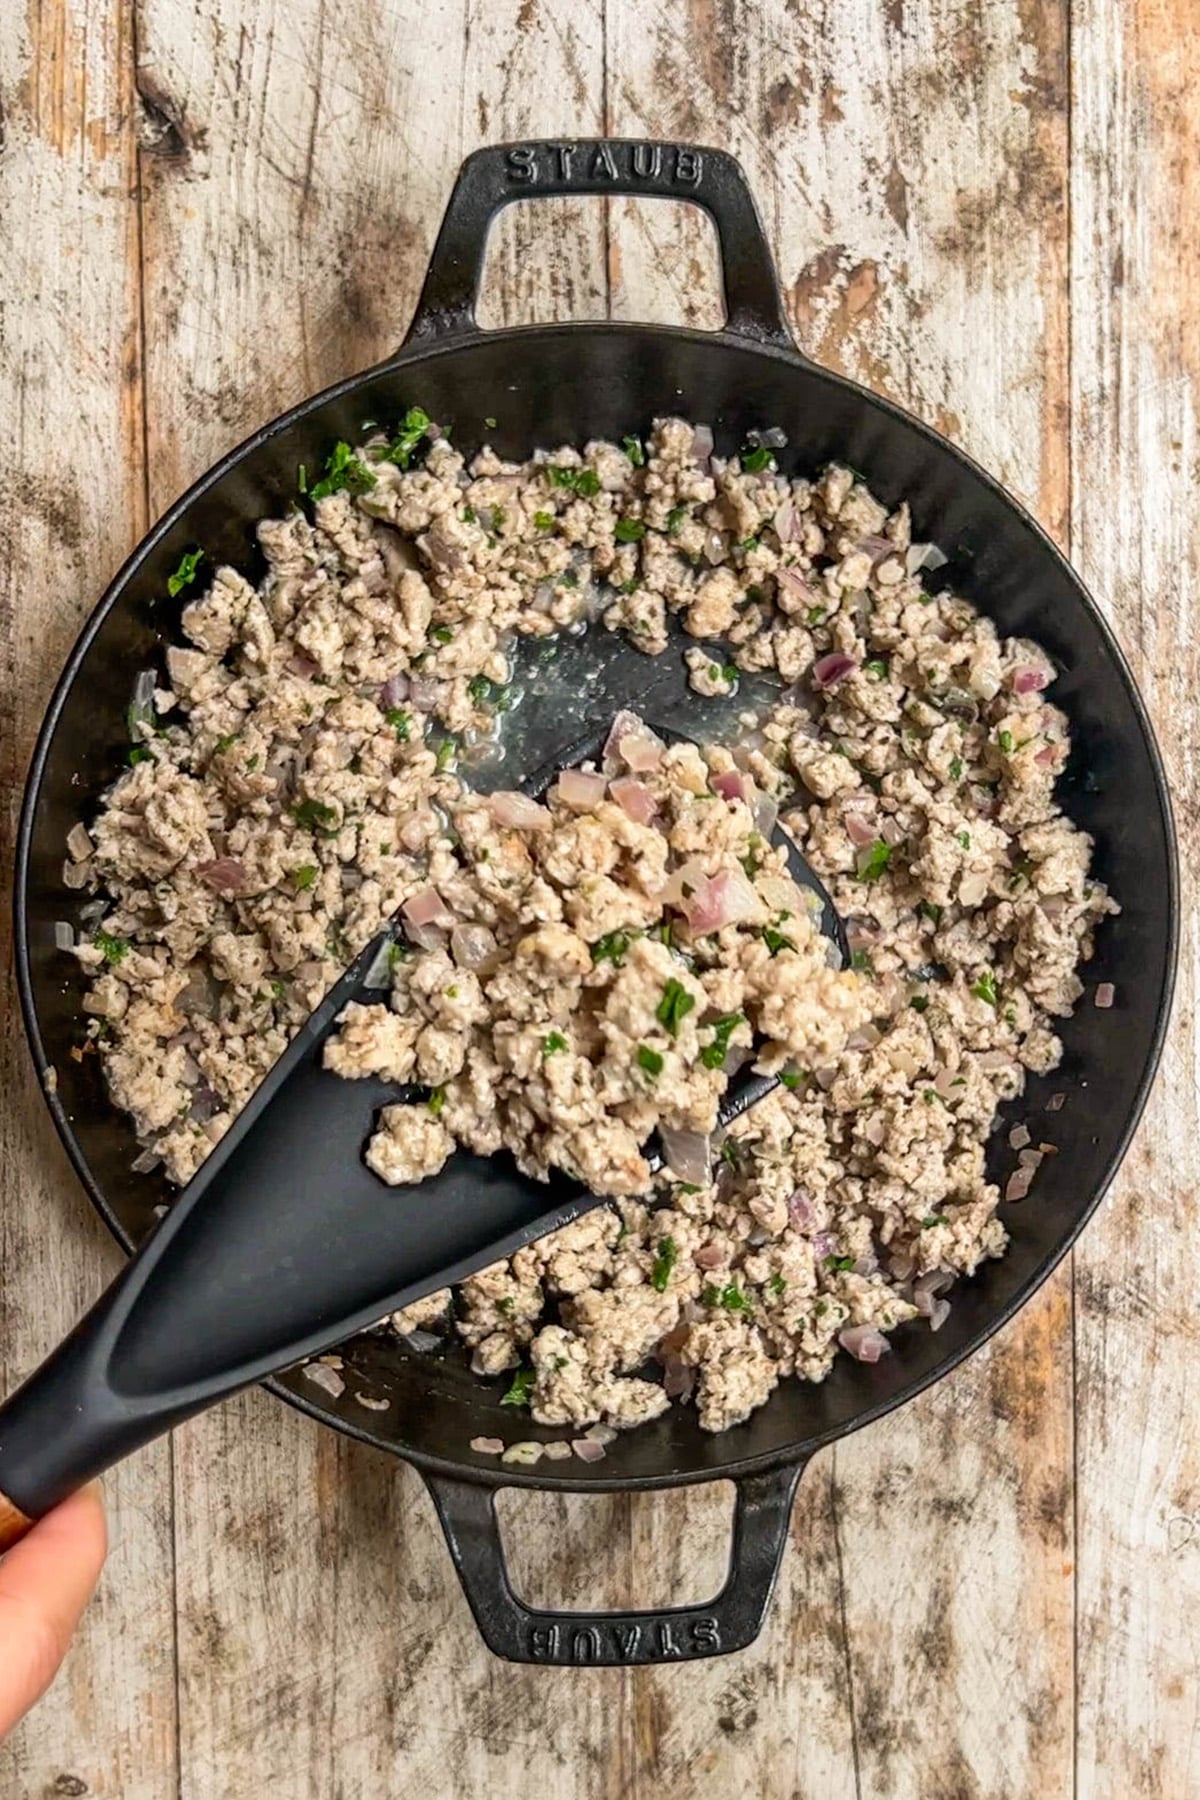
[[990, 1595], [1136, 454]]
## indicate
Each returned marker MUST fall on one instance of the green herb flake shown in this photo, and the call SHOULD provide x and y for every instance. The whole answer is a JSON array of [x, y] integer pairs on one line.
[[877, 669], [731, 1156], [777, 1284], [926, 910], [649, 1060], [920, 1003], [505, 1304], [553, 1042], [861, 960], [985, 989], [413, 426], [730, 1297], [934, 1219], [1010, 1015], [838, 1265], [185, 572], [791, 1078], [490, 424], [222, 744], [956, 768], [113, 949], [754, 461], [314, 815], [343, 471], [675, 1005], [442, 634], [749, 543], [252, 763], [675, 518], [611, 947], [304, 877], [436, 1102], [578, 481], [545, 521], [713, 1055], [1005, 741], [469, 515], [664, 1262], [278, 987], [729, 672], [776, 940], [447, 754], [964, 838], [400, 722], [520, 1389], [633, 449], [815, 615], [629, 531], [137, 753], [568, 578], [874, 860]]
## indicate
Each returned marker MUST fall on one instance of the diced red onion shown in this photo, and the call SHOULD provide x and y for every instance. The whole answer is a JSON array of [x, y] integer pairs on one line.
[[416, 830], [557, 1450], [926, 1289], [726, 898], [634, 799], [64, 935], [1056, 1102], [1030, 1159], [875, 1129], [688, 1155], [938, 1314], [1028, 680], [801, 1211], [1047, 756], [145, 1162], [140, 714], [923, 556], [79, 843], [487, 1446], [730, 784], [825, 1074], [472, 946], [824, 1244], [226, 875], [424, 692], [786, 522], [581, 790], [379, 974], [827, 671], [709, 1256], [1019, 1136], [766, 814], [394, 690], [866, 1265], [632, 742], [892, 832], [679, 1378], [510, 807], [714, 548], [322, 1376], [991, 1060], [864, 1343], [602, 1434], [1019, 1183], [864, 1038], [795, 584], [861, 933], [305, 667], [702, 444], [1105, 994], [422, 1342], [588, 1450], [427, 908], [859, 829], [876, 547]]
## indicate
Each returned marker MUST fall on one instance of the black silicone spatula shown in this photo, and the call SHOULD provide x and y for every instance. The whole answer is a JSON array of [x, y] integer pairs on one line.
[[282, 1245]]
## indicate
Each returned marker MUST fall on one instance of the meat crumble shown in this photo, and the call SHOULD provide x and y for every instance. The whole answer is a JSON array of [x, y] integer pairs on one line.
[[300, 773]]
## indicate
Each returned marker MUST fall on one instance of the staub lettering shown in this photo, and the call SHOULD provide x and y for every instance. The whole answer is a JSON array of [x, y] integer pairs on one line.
[[652, 1640], [674, 165]]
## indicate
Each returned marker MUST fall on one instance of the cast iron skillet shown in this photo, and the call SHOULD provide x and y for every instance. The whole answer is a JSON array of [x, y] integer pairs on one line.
[[565, 383]]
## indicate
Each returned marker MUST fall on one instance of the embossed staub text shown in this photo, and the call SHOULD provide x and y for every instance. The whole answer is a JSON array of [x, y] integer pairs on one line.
[[625, 1640], [670, 165]]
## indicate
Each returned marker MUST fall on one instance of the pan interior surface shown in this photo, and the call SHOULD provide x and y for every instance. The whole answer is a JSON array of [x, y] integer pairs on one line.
[[559, 385]]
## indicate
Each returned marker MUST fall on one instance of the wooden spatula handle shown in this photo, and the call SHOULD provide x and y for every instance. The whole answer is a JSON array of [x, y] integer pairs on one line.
[[13, 1524]]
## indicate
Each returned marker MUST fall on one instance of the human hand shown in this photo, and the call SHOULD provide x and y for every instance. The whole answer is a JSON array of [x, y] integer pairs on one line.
[[45, 1582]]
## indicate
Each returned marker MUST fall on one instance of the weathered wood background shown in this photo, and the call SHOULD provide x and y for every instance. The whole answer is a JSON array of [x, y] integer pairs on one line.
[[984, 208]]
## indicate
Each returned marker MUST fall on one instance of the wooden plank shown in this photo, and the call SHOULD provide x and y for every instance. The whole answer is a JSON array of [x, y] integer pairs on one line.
[[72, 504], [911, 167], [1136, 362]]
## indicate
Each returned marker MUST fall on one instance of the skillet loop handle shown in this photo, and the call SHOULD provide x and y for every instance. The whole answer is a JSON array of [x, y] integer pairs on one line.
[[491, 179], [527, 1634]]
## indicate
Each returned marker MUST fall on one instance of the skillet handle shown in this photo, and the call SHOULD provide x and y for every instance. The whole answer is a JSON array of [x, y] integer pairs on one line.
[[491, 179], [525, 1634]]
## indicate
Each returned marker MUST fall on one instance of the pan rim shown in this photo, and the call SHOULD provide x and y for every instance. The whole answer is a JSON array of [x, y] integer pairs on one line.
[[800, 1450]]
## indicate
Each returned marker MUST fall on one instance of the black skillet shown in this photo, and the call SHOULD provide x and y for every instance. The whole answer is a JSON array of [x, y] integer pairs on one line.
[[546, 385]]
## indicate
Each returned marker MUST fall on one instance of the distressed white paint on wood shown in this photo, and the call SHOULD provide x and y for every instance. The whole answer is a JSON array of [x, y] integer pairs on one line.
[[1136, 461], [71, 502]]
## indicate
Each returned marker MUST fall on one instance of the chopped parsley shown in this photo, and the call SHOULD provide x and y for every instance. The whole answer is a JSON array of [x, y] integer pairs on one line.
[[304, 877], [874, 860], [447, 753], [553, 1042], [956, 768], [316, 816], [664, 1262], [137, 753], [629, 531], [413, 427], [934, 1219], [675, 1005], [985, 989], [927, 910], [776, 940], [728, 673], [675, 518], [579, 481], [436, 1101], [506, 1304], [544, 521], [777, 1284], [185, 572], [964, 838], [713, 1055], [400, 722], [1005, 740], [632, 447], [649, 1060], [839, 1264], [753, 461], [861, 960], [920, 1003], [877, 669], [223, 743], [252, 763], [490, 423], [731, 1156], [343, 470], [441, 634], [815, 615], [611, 947], [1010, 1014], [749, 543], [278, 987], [113, 949], [791, 1078], [730, 1297], [469, 515], [520, 1389], [568, 578]]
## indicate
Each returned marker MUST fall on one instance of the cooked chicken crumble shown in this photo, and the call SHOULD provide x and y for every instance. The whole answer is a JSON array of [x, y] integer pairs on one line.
[[293, 785]]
